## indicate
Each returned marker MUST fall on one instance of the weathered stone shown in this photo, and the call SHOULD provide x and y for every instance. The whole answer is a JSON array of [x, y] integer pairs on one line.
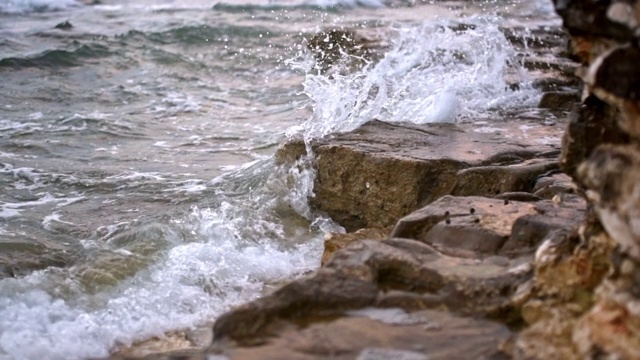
[[495, 180], [569, 265], [178, 344], [615, 78], [372, 176], [381, 273], [612, 179], [559, 100], [382, 334], [593, 18], [594, 123], [547, 187], [334, 242], [473, 226], [613, 324]]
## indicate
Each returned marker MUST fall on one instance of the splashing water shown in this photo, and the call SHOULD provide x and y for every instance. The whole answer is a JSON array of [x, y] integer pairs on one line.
[[432, 73]]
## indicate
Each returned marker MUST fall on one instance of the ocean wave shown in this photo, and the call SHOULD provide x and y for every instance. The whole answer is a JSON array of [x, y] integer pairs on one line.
[[434, 72], [326, 5], [28, 6], [57, 58]]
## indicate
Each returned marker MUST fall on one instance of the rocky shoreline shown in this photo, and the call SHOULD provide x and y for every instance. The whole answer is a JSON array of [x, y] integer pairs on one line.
[[477, 240]]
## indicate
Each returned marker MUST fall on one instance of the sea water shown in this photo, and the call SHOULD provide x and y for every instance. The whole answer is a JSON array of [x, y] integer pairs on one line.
[[138, 193]]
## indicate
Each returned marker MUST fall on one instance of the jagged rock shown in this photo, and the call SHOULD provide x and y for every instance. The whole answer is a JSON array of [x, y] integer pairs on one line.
[[615, 78], [594, 123], [380, 172], [335, 242], [382, 334], [607, 19], [613, 324], [612, 179], [568, 267], [475, 226]]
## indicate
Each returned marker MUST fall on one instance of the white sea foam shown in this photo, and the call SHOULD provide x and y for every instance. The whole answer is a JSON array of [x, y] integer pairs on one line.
[[26, 6], [431, 74], [231, 252], [8, 209]]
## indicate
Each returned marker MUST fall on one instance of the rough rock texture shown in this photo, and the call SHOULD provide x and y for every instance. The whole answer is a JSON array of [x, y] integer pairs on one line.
[[334, 242], [585, 303], [430, 267], [384, 334], [380, 172], [483, 226]]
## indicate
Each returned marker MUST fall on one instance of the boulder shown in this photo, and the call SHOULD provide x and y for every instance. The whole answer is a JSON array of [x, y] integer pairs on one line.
[[478, 226], [389, 273], [374, 175], [374, 333], [334, 242]]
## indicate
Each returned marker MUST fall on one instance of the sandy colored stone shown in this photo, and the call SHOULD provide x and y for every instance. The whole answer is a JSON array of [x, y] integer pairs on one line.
[[418, 336], [380, 172]]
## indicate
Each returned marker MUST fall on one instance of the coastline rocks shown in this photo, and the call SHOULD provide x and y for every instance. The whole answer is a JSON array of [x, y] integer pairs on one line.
[[382, 334], [585, 301], [380, 172], [482, 226], [390, 273], [334, 242]]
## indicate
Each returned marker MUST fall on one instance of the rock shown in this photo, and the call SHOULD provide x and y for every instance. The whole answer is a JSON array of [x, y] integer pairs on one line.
[[475, 226], [612, 179], [547, 187], [65, 25], [568, 267], [382, 334], [335, 242], [598, 19], [559, 100], [373, 176], [177, 343], [615, 78], [496, 180], [594, 123], [388, 273]]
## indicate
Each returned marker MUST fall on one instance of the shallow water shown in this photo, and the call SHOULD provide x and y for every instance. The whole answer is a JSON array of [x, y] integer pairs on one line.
[[138, 190]]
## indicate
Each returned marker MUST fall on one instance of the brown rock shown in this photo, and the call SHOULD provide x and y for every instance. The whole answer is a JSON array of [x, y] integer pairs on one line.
[[559, 100], [547, 187], [335, 242], [474, 226], [594, 123], [373, 176], [395, 272], [382, 334], [612, 179]]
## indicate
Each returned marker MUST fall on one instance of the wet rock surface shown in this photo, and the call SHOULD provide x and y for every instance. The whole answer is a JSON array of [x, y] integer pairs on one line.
[[380, 172]]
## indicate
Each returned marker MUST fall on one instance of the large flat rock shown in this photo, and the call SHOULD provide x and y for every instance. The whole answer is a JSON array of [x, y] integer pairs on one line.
[[383, 334], [380, 172]]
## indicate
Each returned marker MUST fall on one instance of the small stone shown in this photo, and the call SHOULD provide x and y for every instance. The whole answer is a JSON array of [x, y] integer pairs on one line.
[[65, 25]]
